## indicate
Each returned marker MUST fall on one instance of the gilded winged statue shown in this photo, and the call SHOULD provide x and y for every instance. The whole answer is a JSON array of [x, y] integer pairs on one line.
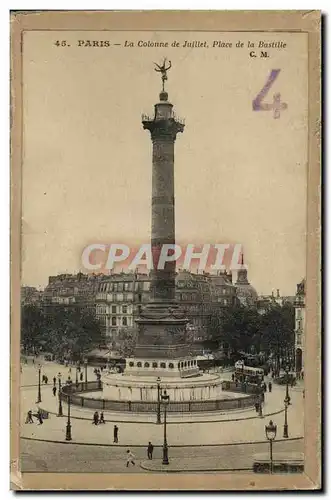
[[163, 70]]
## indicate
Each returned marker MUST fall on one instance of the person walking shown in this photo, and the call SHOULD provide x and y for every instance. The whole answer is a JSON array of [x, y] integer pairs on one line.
[[270, 386], [40, 417], [54, 381], [102, 418], [150, 449], [81, 376], [46, 379], [129, 458], [95, 418], [54, 390], [29, 419], [115, 434]]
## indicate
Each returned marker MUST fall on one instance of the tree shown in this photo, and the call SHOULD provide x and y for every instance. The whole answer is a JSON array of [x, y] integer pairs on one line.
[[278, 331], [32, 325], [72, 333], [239, 327]]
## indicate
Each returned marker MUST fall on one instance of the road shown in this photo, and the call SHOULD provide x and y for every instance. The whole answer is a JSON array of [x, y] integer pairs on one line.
[[63, 457]]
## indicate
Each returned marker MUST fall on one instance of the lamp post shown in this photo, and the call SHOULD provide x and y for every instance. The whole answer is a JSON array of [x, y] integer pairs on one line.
[[77, 374], [60, 412], [165, 399], [158, 415], [271, 432], [285, 433], [39, 385], [287, 396], [85, 364], [68, 428], [260, 403]]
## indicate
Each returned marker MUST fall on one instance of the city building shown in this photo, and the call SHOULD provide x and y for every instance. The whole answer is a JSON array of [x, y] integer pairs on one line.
[[31, 295], [71, 291], [120, 298], [300, 316], [266, 302]]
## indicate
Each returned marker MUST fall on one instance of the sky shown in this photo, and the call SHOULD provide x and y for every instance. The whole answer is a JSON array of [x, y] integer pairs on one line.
[[240, 175]]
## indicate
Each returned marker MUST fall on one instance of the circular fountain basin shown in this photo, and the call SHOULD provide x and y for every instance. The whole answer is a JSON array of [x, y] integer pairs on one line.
[[123, 387]]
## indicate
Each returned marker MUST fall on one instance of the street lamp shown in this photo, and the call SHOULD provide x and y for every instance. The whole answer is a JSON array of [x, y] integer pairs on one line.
[[77, 374], [39, 385], [285, 433], [287, 396], [60, 412], [68, 428], [165, 398], [270, 432], [158, 414], [85, 363], [260, 403]]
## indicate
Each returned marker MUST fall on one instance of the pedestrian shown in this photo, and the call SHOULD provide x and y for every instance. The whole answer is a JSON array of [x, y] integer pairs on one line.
[[256, 406], [95, 418], [270, 386], [54, 390], [54, 381], [129, 458], [46, 379], [232, 376], [43, 378], [302, 375], [40, 417], [150, 449], [29, 419], [81, 377], [70, 369], [102, 418], [115, 434]]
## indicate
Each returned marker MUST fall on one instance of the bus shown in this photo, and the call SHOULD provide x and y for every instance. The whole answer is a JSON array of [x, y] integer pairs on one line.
[[248, 374]]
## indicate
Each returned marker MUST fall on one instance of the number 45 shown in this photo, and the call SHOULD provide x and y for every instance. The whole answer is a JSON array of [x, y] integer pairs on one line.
[[276, 106]]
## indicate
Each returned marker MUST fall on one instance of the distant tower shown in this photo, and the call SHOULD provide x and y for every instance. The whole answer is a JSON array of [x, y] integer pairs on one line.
[[162, 325], [246, 293], [242, 273]]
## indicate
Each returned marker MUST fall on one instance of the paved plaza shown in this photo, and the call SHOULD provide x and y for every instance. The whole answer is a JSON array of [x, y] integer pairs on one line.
[[200, 439]]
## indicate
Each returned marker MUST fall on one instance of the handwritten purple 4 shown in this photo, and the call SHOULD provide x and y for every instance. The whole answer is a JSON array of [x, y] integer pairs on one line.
[[277, 106]]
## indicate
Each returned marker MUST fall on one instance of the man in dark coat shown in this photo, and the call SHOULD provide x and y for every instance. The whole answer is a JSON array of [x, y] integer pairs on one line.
[[150, 449], [115, 434]]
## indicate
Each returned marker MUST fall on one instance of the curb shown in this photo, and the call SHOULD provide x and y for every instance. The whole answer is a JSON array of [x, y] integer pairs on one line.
[[170, 470], [158, 445]]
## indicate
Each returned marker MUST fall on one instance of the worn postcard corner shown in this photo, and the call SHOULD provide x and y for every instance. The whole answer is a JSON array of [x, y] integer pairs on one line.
[[165, 235]]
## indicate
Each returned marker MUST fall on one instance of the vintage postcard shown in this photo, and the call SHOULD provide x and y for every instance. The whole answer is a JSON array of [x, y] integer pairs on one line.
[[165, 230]]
